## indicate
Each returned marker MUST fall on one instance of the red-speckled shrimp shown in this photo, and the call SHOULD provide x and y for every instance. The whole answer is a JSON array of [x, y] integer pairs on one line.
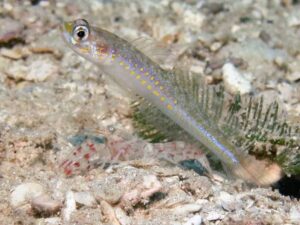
[[96, 151]]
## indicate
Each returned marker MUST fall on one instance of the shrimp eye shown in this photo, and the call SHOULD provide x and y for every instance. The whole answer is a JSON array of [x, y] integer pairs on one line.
[[81, 33]]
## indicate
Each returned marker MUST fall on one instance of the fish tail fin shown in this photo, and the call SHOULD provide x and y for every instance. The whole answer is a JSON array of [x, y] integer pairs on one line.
[[259, 172]]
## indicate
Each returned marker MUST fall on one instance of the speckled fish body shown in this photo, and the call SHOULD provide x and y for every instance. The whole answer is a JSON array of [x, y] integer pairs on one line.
[[135, 71]]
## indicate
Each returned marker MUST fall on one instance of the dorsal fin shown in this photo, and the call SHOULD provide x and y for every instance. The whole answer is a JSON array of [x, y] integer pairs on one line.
[[161, 53]]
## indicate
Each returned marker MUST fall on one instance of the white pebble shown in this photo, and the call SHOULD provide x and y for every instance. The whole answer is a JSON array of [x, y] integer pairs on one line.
[[195, 220], [40, 70], [212, 216], [7, 6], [193, 18], [216, 46], [44, 204], [85, 198], [235, 82], [188, 208], [227, 201], [53, 221], [70, 205], [294, 21], [151, 181], [122, 217], [293, 76], [37, 71], [295, 214], [24, 193]]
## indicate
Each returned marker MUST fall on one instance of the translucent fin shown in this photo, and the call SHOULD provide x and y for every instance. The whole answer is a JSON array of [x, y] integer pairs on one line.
[[259, 172], [160, 53]]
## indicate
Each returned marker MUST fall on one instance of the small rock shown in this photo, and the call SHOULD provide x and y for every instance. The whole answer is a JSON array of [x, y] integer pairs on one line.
[[109, 213], [45, 3], [294, 71], [70, 205], [238, 62], [53, 221], [109, 190], [216, 46], [40, 70], [122, 216], [228, 202], [24, 193], [46, 50], [279, 61], [37, 71], [197, 69], [216, 64], [287, 3], [186, 209], [142, 192], [85, 198], [286, 91], [294, 21], [295, 214], [264, 36], [235, 82], [193, 18], [10, 30], [199, 186], [258, 55], [11, 53], [214, 7], [195, 220], [44, 205], [7, 6], [151, 184], [212, 216], [294, 76]]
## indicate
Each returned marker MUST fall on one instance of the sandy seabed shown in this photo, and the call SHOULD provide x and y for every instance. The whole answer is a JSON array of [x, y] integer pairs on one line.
[[48, 93]]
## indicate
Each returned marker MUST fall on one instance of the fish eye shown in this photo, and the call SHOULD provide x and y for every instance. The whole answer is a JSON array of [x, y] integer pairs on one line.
[[81, 33]]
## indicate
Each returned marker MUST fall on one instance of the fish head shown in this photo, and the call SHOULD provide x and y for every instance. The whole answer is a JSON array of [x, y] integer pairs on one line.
[[85, 40], [77, 35]]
